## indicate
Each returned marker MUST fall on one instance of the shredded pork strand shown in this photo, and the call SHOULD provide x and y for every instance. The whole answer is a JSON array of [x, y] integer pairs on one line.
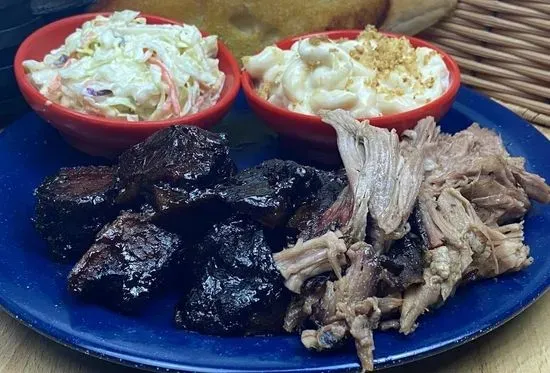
[[325, 338], [310, 258], [348, 307], [384, 175]]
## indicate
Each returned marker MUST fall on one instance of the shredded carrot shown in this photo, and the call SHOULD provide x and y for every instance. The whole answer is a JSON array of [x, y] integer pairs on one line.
[[200, 102], [55, 85], [167, 106], [89, 108], [167, 77]]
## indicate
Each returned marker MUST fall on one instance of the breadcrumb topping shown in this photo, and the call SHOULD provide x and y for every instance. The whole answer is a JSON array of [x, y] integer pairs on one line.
[[371, 75], [385, 55]]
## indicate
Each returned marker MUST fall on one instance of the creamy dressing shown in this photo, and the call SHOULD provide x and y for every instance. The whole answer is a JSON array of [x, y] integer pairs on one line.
[[119, 66], [370, 76]]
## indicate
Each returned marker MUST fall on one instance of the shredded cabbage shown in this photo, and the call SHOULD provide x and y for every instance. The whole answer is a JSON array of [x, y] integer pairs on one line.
[[121, 67]]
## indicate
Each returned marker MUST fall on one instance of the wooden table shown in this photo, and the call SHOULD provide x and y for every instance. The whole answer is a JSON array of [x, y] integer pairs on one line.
[[521, 345]]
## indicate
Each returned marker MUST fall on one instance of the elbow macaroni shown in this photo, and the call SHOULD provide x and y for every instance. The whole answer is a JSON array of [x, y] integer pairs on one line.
[[370, 76]]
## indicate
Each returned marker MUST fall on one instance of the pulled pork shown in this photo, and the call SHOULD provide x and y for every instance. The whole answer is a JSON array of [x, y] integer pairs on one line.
[[384, 177], [472, 202], [374, 273], [310, 258]]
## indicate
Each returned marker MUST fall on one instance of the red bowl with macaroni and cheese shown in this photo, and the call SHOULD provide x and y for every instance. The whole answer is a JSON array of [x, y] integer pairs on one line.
[[307, 135]]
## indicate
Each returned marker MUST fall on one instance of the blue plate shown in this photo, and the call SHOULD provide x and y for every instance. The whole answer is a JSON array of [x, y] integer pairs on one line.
[[32, 288]]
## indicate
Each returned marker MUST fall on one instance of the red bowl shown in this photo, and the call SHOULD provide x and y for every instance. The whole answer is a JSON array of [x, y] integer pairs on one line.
[[311, 138], [104, 136]]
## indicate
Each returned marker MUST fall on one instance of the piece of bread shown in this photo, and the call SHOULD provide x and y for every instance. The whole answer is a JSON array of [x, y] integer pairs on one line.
[[247, 26], [412, 16]]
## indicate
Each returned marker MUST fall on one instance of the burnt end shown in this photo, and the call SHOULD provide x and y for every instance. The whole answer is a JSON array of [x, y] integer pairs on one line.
[[306, 220], [239, 290], [271, 191], [72, 206], [129, 260], [226, 304], [402, 265], [240, 246], [189, 213], [181, 156]]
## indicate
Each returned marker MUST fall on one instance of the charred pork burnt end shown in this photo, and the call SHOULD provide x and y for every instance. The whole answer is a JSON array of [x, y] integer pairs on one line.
[[129, 260], [240, 245], [226, 304], [181, 156], [239, 290], [72, 206], [307, 220], [403, 265], [188, 213], [271, 191]]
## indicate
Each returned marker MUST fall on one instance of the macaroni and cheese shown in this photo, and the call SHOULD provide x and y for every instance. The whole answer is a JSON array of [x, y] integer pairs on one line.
[[370, 76]]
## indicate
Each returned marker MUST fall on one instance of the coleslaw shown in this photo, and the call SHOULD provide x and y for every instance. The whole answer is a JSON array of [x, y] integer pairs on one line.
[[122, 67]]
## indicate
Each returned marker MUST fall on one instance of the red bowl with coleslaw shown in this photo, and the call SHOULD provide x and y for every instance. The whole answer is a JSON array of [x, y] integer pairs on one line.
[[307, 136], [103, 136]]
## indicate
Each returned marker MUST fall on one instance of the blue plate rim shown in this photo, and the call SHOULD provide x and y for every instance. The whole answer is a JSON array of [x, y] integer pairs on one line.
[[135, 360], [154, 365]]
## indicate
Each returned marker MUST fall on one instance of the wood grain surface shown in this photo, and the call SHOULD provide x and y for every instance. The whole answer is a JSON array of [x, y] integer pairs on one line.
[[521, 345]]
